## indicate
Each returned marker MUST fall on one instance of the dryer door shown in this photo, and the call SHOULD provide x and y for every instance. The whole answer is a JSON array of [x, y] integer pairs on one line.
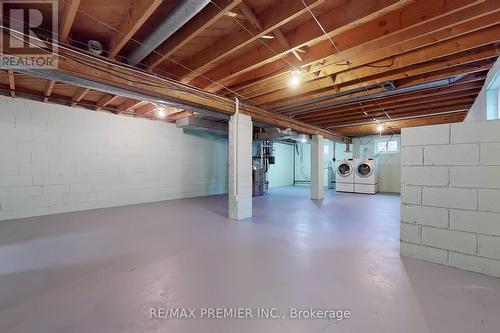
[[344, 169], [364, 170]]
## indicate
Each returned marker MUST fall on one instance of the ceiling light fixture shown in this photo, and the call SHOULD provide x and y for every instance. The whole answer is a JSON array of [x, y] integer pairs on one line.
[[160, 112], [380, 128], [295, 79]]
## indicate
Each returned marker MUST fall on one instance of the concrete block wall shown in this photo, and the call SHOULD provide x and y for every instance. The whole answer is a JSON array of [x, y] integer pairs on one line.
[[450, 195], [479, 110], [56, 159], [240, 166], [317, 167]]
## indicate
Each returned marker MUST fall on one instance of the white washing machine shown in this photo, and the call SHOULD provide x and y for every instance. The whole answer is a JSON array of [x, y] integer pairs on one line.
[[365, 176], [344, 176]]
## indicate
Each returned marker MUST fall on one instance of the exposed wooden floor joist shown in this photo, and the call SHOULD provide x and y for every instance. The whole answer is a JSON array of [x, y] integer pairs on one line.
[[249, 49]]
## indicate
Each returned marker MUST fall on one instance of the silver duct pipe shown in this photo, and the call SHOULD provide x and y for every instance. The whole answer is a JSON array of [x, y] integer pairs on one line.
[[202, 124], [181, 14], [428, 85], [275, 133], [319, 99]]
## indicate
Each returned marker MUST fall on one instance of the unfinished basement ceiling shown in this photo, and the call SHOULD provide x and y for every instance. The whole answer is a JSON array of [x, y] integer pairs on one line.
[[249, 49]]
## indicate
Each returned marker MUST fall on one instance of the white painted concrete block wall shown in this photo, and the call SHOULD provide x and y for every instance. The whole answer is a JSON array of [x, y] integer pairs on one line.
[[317, 167], [450, 195], [478, 110], [240, 166], [57, 159]]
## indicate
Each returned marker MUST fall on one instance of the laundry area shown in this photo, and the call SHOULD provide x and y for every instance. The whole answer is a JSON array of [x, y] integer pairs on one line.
[[376, 167], [227, 166]]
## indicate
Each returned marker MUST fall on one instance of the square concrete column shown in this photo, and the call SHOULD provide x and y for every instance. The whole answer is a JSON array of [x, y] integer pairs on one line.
[[317, 157], [240, 166]]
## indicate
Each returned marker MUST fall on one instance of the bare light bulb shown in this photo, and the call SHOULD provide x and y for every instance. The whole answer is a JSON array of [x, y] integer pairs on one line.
[[295, 79], [160, 112], [380, 128]]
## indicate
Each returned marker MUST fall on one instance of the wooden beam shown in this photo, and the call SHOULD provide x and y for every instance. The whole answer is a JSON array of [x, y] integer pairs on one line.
[[374, 59], [250, 16], [424, 94], [208, 16], [421, 74], [323, 97], [105, 100], [365, 57], [284, 43], [129, 105], [378, 39], [297, 55], [116, 77], [376, 75], [394, 105], [48, 90], [480, 68], [275, 16], [79, 95], [423, 112], [401, 116], [441, 28], [235, 15], [12, 83], [431, 107], [35, 94], [437, 56], [416, 19], [179, 115], [67, 18], [472, 74], [145, 109], [139, 12], [370, 105], [325, 115], [281, 39], [445, 47], [371, 128]]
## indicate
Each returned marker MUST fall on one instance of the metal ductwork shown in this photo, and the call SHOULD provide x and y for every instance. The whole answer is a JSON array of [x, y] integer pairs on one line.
[[274, 134], [303, 138], [202, 124], [95, 47], [319, 99], [283, 135], [389, 86], [181, 14]]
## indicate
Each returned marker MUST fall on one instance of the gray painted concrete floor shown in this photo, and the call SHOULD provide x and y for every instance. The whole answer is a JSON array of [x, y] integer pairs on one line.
[[101, 270]]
